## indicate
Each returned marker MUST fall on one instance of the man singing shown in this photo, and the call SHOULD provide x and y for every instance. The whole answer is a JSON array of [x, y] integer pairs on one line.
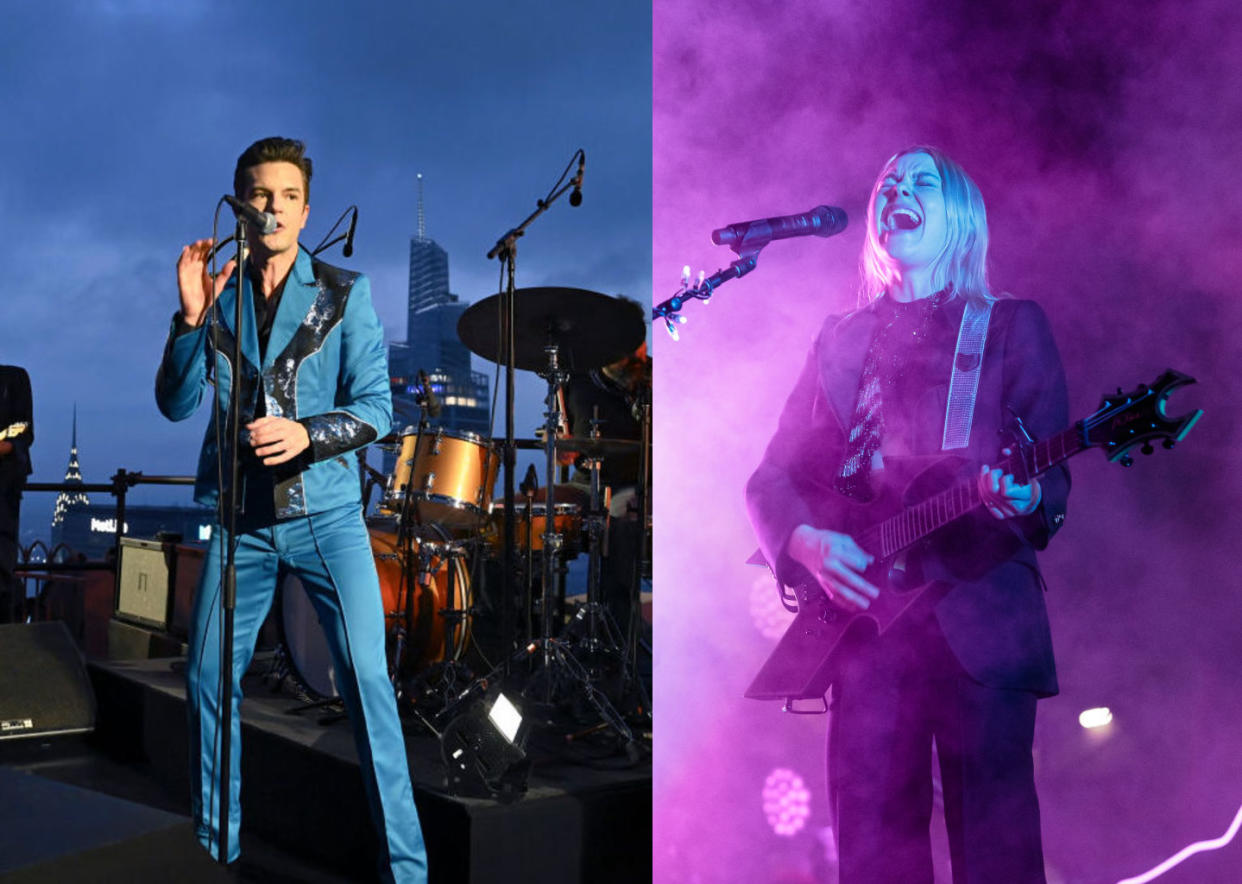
[[314, 387]]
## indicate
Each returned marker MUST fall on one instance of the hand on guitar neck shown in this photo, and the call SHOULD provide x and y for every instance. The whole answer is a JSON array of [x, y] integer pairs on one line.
[[838, 562], [1004, 497]]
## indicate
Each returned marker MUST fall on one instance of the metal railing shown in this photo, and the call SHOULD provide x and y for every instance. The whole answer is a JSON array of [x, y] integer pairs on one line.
[[43, 572], [122, 481]]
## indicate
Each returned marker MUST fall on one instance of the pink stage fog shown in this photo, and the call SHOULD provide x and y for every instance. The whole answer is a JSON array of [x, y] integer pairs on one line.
[[1107, 141]]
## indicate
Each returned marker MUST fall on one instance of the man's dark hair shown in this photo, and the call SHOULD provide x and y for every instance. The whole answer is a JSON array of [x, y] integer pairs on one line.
[[273, 150]]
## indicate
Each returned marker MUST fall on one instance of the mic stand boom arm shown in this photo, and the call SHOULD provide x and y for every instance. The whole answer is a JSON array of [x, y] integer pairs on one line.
[[670, 310], [747, 249]]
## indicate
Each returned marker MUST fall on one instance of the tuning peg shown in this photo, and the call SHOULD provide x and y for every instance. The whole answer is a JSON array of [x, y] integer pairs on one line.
[[672, 329], [1147, 449], [1126, 460]]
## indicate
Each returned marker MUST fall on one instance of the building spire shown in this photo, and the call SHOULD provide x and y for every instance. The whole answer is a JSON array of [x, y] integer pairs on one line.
[[422, 219], [73, 475]]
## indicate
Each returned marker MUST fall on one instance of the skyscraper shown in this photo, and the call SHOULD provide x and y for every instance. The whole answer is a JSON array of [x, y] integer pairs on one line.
[[432, 344], [73, 475]]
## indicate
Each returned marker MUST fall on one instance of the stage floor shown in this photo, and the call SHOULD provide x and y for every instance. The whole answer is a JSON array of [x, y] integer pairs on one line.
[[586, 819]]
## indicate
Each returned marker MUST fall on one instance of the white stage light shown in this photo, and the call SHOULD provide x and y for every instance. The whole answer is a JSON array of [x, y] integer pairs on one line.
[[1097, 717]]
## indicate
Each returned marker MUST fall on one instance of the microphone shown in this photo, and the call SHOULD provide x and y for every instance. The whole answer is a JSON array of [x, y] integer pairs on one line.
[[348, 251], [429, 395], [820, 221], [575, 198], [264, 222]]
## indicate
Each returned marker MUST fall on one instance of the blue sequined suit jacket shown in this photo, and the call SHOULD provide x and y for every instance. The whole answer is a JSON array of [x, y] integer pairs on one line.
[[325, 367]]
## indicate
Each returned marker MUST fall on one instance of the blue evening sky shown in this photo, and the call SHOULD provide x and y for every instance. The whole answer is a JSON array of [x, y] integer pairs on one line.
[[123, 120]]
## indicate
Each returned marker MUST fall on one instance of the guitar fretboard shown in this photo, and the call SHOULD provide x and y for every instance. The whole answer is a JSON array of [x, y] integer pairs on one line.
[[908, 527]]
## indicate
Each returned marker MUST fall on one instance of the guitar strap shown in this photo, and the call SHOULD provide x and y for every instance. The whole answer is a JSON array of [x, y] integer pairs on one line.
[[959, 413]]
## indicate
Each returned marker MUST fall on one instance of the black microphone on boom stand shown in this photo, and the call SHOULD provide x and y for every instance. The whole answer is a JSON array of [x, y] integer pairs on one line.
[[575, 198], [264, 222], [348, 250], [820, 221], [429, 395]]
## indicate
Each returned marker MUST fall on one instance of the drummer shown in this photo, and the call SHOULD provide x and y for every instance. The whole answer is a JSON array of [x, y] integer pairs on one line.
[[616, 394], [617, 390]]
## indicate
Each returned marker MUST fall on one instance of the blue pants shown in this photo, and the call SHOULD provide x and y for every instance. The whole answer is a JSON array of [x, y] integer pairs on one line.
[[331, 553]]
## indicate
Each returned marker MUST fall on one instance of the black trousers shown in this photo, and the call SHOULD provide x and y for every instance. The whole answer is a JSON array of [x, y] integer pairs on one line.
[[893, 698], [10, 587]]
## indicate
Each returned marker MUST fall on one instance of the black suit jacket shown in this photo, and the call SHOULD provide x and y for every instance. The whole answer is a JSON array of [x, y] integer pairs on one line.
[[995, 621]]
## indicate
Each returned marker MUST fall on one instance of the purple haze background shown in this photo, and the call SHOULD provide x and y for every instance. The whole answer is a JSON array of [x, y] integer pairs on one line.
[[1106, 138]]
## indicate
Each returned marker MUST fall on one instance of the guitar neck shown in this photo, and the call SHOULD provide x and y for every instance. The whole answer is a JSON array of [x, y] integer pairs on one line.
[[908, 527]]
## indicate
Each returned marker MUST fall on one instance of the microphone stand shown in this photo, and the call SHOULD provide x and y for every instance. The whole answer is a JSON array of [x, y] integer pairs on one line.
[[505, 250], [554, 651], [348, 235], [669, 310], [747, 248], [228, 597]]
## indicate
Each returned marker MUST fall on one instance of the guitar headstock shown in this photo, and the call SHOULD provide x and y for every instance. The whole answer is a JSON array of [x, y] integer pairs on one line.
[[1138, 418]]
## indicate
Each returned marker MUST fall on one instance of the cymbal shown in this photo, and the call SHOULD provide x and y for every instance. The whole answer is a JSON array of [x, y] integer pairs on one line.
[[589, 329]]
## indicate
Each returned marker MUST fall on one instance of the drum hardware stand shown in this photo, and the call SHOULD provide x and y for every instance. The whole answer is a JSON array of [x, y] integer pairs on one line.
[[405, 540], [633, 639], [593, 613], [528, 488], [552, 658], [333, 707], [557, 662], [371, 477], [405, 557], [449, 673], [556, 379]]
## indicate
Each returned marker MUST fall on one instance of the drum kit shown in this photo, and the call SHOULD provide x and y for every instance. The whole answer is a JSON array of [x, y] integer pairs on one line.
[[439, 528]]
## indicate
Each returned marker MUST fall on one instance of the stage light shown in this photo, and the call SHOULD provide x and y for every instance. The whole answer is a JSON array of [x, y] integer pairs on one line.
[[766, 610], [1095, 718], [786, 802], [506, 717], [483, 749]]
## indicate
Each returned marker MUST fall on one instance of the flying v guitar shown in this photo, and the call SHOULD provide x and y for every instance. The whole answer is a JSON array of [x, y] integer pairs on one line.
[[895, 531]]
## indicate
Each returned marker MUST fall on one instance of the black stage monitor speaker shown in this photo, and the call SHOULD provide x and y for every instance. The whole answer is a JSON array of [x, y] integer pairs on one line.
[[44, 689]]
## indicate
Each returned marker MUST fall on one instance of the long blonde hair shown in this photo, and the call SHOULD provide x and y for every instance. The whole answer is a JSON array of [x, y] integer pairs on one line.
[[962, 262]]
